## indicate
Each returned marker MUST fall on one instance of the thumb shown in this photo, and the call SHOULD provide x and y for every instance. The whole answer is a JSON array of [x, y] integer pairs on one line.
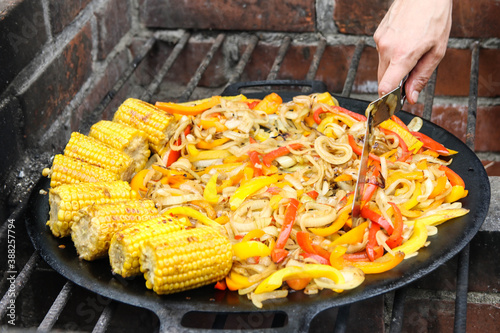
[[392, 77], [420, 75]]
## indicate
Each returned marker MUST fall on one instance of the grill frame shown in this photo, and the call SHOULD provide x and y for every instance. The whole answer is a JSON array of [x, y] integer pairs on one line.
[[397, 315]]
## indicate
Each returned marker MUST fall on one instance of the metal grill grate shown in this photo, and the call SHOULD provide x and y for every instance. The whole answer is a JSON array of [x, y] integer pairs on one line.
[[397, 313]]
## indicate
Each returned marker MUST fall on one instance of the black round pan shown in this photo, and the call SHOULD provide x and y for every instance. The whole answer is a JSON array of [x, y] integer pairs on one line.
[[96, 276]]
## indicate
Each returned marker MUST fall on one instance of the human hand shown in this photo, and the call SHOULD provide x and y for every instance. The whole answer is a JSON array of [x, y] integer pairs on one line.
[[412, 37]]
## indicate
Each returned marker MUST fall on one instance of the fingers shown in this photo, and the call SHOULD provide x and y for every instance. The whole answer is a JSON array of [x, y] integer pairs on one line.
[[392, 75]]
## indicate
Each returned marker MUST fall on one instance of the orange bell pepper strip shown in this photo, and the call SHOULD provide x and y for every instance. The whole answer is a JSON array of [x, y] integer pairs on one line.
[[206, 206], [188, 110], [213, 144], [353, 236], [137, 183], [221, 285], [373, 250], [255, 233], [316, 257], [268, 158], [396, 238], [288, 222], [299, 283], [439, 188], [304, 241], [269, 104], [212, 122], [383, 264], [453, 177], [337, 257], [334, 227]]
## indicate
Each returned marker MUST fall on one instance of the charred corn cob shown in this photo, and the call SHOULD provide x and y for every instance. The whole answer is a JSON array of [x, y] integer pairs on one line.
[[67, 170], [148, 118], [125, 247], [92, 151], [126, 139], [96, 224], [66, 200], [185, 260]]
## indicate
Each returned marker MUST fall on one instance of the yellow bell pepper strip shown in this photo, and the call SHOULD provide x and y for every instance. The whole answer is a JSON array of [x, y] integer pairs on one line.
[[268, 158], [412, 213], [382, 264], [396, 238], [222, 219], [206, 206], [255, 233], [239, 97], [210, 191], [422, 165], [210, 145], [269, 104], [247, 249], [188, 110], [200, 155], [233, 285], [416, 241], [137, 182], [276, 279], [359, 151], [413, 201], [439, 188], [413, 175], [249, 188], [411, 142], [334, 227], [240, 280], [453, 177], [457, 193], [191, 212], [226, 167], [353, 236], [398, 121], [337, 256], [433, 145], [441, 216], [343, 178]]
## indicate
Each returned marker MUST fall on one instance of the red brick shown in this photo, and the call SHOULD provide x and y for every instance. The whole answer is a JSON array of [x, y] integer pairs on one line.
[[22, 34], [489, 73], [359, 17], [416, 109], [334, 65], [423, 315], [111, 74], [453, 77], [487, 125], [475, 18], [452, 117], [62, 12], [366, 78], [110, 33], [260, 62], [272, 15], [297, 62], [47, 97], [484, 263]]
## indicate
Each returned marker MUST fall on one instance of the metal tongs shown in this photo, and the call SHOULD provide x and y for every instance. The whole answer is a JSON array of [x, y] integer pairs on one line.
[[376, 112]]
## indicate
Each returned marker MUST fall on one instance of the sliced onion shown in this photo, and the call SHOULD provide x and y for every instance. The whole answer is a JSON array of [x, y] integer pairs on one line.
[[415, 124]]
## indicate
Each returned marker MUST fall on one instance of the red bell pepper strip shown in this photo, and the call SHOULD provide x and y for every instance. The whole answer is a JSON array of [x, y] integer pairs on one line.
[[396, 238], [367, 213], [373, 250], [274, 190], [286, 228], [313, 194], [358, 150], [221, 285], [402, 143], [268, 158], [431, 144], [305, 242], [371, 185], [399, 122], [277, 255], [453, 177], [173, 155], [321, 251], [255, 160], [316, 257], [253, 104], [316, 114]]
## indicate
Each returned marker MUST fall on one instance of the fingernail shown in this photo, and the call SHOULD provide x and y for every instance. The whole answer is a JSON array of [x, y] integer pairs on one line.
[[414, 96]]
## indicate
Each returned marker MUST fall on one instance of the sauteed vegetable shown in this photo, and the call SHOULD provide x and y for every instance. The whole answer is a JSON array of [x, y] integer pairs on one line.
[[272, 182]]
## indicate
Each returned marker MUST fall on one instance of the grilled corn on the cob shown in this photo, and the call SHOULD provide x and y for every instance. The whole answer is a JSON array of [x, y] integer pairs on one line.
[[126, 139], [185, 260], [66, 200], [67, 170], [96, 224], [92, 151], [148, 118], [125, 247]]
